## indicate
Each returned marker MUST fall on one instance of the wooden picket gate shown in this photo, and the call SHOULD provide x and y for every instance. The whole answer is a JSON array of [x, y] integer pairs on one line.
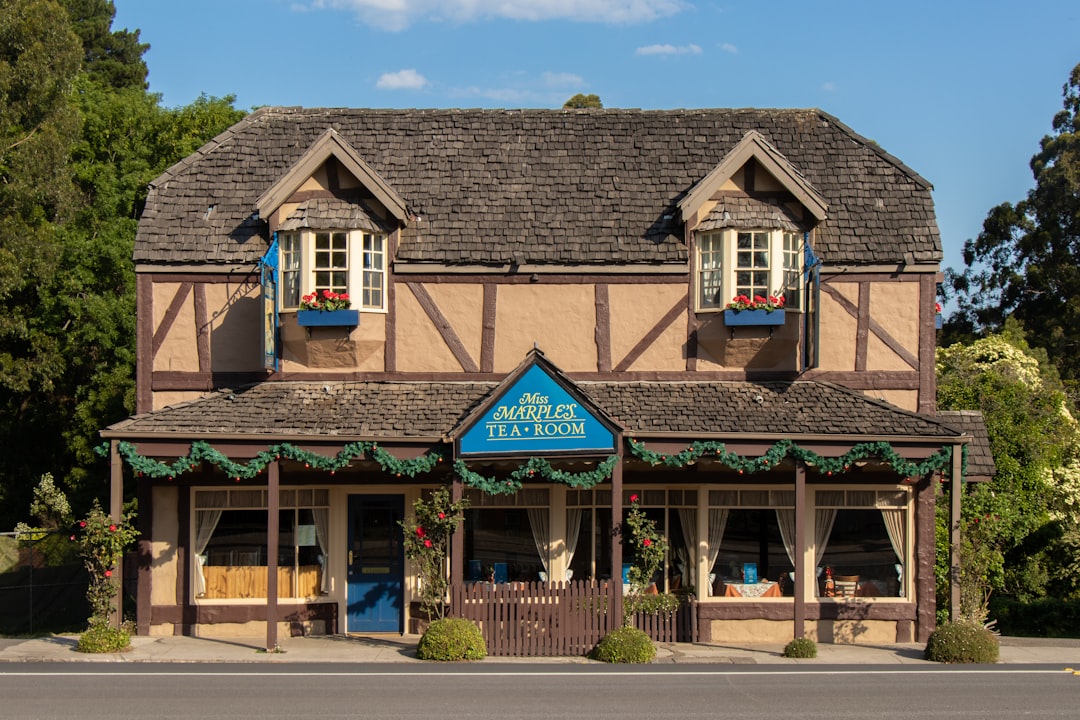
[[537, 619]]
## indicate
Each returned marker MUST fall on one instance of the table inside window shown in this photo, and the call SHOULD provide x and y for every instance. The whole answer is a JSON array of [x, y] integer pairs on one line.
[[752, 590]]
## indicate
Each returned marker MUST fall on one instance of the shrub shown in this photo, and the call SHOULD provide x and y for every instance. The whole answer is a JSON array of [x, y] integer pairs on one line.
[[1045, 617], [451, 639], [962, 642], [802, 647], [624, 645], [104, 639]]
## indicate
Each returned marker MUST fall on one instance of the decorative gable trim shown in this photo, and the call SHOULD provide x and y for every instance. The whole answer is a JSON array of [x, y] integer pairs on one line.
[[331, 144], [536, 411], [754, 146]]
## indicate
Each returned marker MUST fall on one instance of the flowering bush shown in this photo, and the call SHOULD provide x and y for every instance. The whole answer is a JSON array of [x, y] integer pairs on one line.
[[325, 300], [758, 302], [649, 548], [102, 542], [427, 545]]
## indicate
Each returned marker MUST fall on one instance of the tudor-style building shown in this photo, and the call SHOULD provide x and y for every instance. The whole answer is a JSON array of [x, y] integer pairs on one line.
[[539, 318]]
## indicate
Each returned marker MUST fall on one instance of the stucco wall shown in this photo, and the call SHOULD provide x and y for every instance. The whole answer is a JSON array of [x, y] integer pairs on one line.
[[559, 319], [163, 543], [634, 311]]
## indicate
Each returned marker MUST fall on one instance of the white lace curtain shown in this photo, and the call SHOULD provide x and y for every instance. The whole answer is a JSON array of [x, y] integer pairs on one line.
[[824, 518], [322, 535], [686, 554], [718, 518], [897, 530], [206, 521], [573, 532], [541, 532]]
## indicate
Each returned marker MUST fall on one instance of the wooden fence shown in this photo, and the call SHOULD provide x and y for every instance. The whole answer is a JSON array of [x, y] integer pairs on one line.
[[538, 619]]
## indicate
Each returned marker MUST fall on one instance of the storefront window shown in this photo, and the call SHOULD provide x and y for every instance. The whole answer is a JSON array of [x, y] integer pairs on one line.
[[507, 537], [866, 548], [231, 543]]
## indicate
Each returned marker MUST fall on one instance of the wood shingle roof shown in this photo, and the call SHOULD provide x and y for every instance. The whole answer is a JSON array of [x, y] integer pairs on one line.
[[431, 410], [537, 186]]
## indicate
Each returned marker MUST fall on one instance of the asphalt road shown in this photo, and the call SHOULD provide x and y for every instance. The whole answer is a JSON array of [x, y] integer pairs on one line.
[[160, 691]]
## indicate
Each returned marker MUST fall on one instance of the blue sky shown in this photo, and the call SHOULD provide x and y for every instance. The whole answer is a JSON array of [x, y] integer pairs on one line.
[[961, 91]]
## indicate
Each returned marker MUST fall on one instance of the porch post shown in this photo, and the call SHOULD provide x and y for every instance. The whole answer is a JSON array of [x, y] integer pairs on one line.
[[616, 530], [457, 540], [955, 494], [800, 549], [116, 509], [273, 532]]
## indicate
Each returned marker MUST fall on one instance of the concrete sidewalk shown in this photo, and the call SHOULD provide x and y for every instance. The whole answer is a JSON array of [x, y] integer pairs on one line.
[[402, 649]]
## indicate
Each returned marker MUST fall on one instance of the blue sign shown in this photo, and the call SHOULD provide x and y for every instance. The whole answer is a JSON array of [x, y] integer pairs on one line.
[[536, 416]]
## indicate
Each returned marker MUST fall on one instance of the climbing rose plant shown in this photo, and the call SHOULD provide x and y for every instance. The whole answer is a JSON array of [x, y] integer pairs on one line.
[[649, 546], [427, 545], [102, 541]]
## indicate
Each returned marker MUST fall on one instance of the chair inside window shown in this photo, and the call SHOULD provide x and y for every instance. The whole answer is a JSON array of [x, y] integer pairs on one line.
[[846, 585]]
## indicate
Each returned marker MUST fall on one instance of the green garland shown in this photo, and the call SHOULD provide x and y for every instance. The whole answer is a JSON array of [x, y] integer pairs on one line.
[[787, 448], [201, 452], [532, 468]]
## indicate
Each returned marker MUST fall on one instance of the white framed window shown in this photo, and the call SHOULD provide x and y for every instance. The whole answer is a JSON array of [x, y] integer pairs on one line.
[[750, 262], [342, 261]]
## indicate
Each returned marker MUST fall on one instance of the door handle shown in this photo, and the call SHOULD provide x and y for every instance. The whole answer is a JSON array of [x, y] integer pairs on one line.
[[350, 557]]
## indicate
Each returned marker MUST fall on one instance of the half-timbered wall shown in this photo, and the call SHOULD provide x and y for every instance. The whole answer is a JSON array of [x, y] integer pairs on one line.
[[876, 333]]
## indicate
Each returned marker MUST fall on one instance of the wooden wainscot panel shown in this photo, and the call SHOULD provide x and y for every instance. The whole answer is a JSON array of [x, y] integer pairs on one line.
[[560, 319]]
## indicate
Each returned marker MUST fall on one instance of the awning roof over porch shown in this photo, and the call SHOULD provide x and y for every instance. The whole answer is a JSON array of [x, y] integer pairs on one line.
[[430, 411]]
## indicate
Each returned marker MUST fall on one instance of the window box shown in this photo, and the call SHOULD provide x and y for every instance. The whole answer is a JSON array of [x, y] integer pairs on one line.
[[328, 318], [745, 318], [937, 321]]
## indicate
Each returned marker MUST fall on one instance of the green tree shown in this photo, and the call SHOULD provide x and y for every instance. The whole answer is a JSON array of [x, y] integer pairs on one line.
[[77, 151], [1023, 263], [583, 101], [1011, 525]]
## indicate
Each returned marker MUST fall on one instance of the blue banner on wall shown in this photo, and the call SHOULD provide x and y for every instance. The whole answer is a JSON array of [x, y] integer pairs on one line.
[[536, 416]]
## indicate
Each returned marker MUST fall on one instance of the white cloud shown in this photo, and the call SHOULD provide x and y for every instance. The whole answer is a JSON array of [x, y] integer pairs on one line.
[[728, 47], [407, 79], [399, 14], [562, 80], [669, 50]]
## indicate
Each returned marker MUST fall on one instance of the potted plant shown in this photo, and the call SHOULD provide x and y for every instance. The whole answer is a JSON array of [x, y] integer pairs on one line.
[[759, 310], [327, 309]]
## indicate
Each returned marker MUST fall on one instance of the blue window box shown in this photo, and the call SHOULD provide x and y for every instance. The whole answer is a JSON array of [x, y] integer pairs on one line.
[[741, 318], [328, 318]]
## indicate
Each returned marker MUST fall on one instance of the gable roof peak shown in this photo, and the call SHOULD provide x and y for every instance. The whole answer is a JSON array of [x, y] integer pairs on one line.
[[331, 144], [754, 145]]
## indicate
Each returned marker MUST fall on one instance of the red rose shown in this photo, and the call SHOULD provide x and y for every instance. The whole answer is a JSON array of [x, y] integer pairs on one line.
[[633, 498], [72, 537], [442, 516], [82, 523], [427, 543], [646, 542], [108, 573], [419, 532], [112, 528]]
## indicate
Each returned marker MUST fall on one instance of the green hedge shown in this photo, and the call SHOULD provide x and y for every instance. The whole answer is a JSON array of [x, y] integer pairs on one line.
[[1048, 617], [962, 642], [624, 645], [451, 639]]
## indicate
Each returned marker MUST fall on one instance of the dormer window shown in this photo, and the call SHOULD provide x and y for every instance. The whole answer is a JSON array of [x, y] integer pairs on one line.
[[750, 262], [343, 261]]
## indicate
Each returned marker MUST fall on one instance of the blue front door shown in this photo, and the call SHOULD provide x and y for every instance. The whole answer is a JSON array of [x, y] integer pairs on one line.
[[376, 564]]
